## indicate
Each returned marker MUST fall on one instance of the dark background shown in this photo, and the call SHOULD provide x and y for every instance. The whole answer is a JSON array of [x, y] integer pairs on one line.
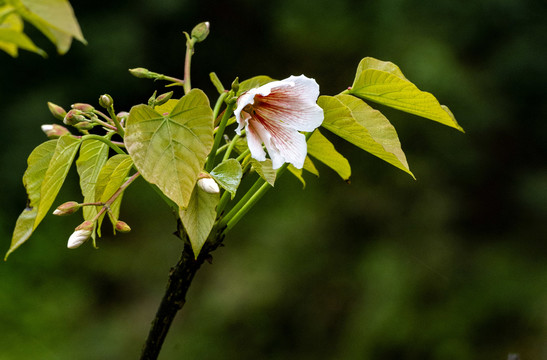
[[451, 266]]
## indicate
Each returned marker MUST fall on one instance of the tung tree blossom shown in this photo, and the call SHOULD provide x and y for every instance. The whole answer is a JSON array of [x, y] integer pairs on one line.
[[274, 114]]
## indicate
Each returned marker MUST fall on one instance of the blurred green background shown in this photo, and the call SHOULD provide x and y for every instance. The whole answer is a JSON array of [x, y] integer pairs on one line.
[[451, 266]]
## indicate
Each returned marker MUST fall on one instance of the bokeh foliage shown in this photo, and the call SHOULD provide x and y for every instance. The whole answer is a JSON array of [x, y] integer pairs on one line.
[[449, 266]]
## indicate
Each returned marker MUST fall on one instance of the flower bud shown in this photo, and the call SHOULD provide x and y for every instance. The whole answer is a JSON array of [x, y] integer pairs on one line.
[[235, 85], [57, 111], [80, 235], [163, 98], [122, 227], [70, 207], [54, 131], [209, 185], [106, 101], [84, 125], [200, 31], [74, 117], [143, 73], [122, 116], [83, 107]]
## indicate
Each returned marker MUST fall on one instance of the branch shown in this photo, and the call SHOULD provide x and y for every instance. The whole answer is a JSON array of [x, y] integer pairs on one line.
[[180, 279]]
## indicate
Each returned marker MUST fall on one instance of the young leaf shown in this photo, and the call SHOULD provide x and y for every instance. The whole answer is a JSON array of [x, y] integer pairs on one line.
[[12, 36], [170, 150], [265, 170], [228, 175], [38, 162], [322, 149], [93, 156], [384, 83], [253, 82], [111, 177], [58, 167], [54, 18], [199, 217], [353, 120], [298, 174]]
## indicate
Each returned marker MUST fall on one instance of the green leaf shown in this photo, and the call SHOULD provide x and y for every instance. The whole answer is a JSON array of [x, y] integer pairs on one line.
[[265, 170], [353, 120], [228, 175], [170, 151], [112, 176], [12, 36], [253, 82], [54, 18], [167, 107], [93, 156], [322, 149], [60, 163], [199, 217], [38, 162], [298, 174], [384, 83], [309, 166]]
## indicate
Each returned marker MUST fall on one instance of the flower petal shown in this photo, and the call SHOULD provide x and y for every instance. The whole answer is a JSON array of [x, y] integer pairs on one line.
[[254, 142], [283, 144]]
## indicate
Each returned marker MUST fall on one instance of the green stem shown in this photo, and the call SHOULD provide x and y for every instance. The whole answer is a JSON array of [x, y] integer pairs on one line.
[[119, 127], [218, 137], [223, 201], [187, 63], [243, 155], [106, 141], [218, 104], [106, 205], [247, 206], [230, 147], [258, 183]]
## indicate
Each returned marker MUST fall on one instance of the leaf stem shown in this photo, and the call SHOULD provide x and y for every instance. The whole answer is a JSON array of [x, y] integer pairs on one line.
[[119, 128], [106, 141], [211, 159], [230, 147], [187, 62], [106, 205]]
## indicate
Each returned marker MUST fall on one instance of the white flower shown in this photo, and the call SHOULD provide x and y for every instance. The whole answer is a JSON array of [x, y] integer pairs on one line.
[[78, 237], [273, 115], [208, 185]]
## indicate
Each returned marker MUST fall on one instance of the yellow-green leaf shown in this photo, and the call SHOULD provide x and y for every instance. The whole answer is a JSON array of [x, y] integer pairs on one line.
[[170, 150], [265, 170], [384, 83], [323, 150], [353, 120], [199, 217], [38, 162], [12, 36], [58, 167], [253, 82], [93, 156], [54, 18], [228, 175]]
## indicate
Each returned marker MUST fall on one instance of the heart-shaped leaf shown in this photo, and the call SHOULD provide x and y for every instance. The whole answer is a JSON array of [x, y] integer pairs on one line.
[[170, 150]]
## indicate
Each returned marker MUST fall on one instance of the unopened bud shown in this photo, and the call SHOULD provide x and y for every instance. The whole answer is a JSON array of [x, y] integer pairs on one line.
[[80, 235], [84, 125], [122, 116], [54, 131], [209, 185], [163, 98], [235, 85], [70, 207], [74, 117], [106, 101], [143, 73], [57, 111], [200, 31], [122, 227], [83, 107]]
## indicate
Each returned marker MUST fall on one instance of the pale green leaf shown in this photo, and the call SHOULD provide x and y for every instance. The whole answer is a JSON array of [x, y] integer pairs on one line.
[[265, 170], [253, 82], [38, 162], [93, 156], [384, 83], [228, 175], [353, 120], [54, 18], [60, 163], [170, 151], [309, 166], [12, 36], [199, 217], [298, 174], [167, 107], [323, 150], [111, 177]]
